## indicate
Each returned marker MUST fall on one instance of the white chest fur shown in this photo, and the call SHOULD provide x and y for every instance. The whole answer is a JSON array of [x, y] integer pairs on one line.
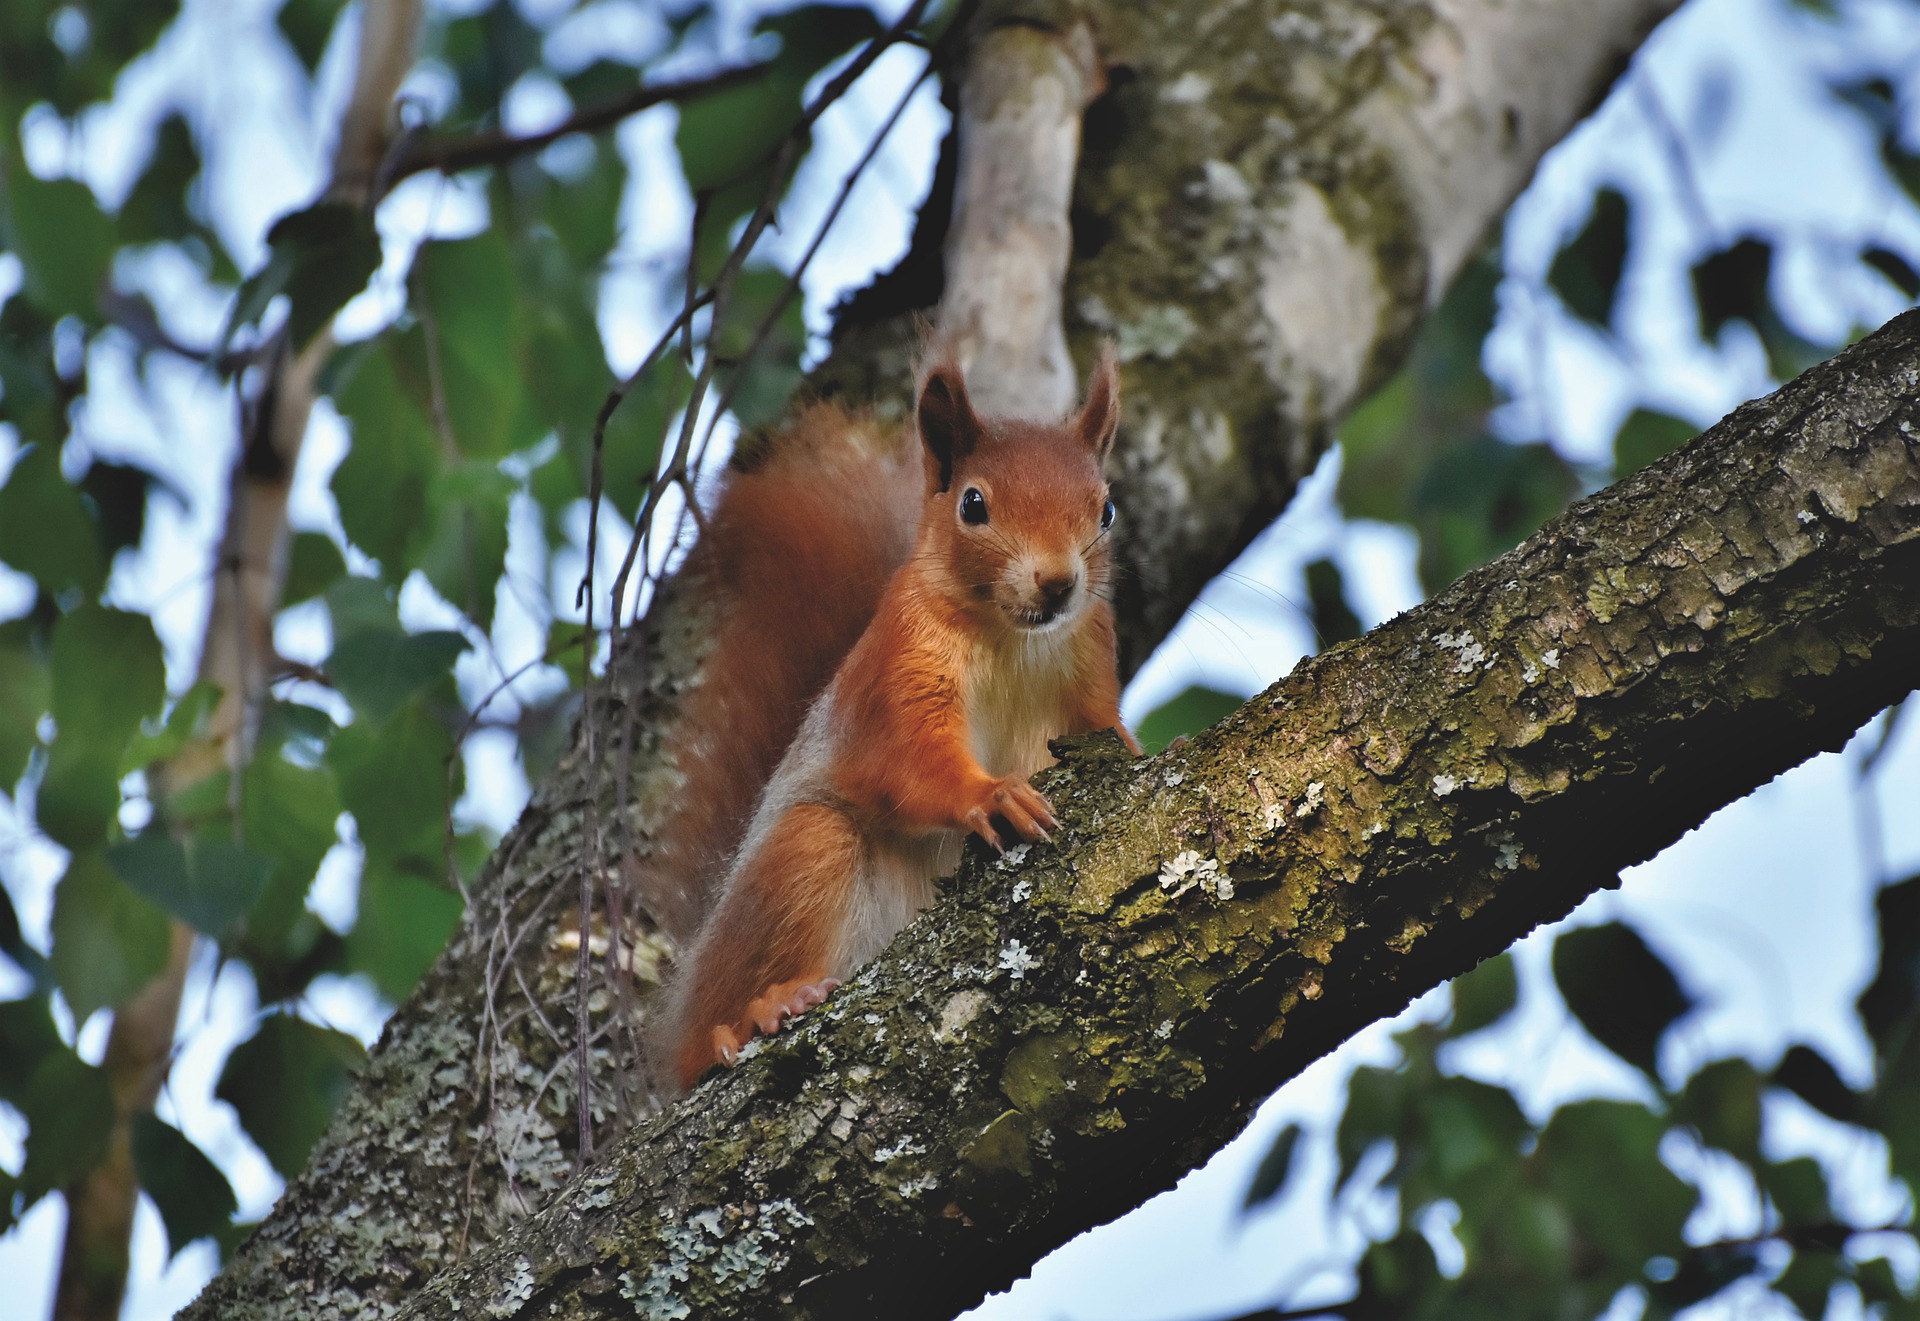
[[1016, 700]]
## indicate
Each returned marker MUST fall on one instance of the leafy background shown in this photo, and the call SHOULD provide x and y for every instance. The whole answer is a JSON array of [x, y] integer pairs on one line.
[[1537, 1141]]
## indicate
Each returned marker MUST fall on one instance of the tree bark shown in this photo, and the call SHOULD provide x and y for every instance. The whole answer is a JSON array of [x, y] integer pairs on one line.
[[1072, 1027], [1268, 203]]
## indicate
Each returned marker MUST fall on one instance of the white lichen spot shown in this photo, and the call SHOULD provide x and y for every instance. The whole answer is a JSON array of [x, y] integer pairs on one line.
[[1374, 829], [1226, 185], [746, 1259], [872, 1020], [1190, 88], [653, 1298], [926, 1183], [959, 1011], [1022, 890], [1016, 855], [904, 1147], [1315, 799], [1506, 851], [1185, 870], [1807, 517], [1161, 330], [787, 1210], [1551, 658], [517, 1293], [1163, 1029], [859, 1073], [1172, 779], [1529, 673], [1444, 785], [1471, 652], [1015, 960]]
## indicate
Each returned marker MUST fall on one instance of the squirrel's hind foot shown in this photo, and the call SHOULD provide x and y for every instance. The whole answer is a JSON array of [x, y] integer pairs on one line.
[[768, 1012]]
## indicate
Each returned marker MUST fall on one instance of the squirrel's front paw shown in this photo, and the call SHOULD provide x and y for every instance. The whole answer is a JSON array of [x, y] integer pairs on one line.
[[1012, 800], [768, 1012]]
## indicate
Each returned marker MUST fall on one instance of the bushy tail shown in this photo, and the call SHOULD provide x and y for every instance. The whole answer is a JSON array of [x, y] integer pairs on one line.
[[796, 549]]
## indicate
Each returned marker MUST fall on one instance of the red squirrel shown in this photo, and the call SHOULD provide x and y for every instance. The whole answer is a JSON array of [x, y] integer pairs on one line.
[[993, 636]]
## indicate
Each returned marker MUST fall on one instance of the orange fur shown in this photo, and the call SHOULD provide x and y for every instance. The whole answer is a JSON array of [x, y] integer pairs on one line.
[[798, 545], [993, 636]]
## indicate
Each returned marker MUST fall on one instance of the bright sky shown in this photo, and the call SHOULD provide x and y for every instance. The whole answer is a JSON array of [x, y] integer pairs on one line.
[[1766, 909]]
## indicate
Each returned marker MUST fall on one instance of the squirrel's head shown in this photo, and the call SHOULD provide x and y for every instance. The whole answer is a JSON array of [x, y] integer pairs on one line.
[[1018, 513]]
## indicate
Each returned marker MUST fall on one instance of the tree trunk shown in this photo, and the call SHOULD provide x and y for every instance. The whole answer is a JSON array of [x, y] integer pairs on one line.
[[1267, 204]]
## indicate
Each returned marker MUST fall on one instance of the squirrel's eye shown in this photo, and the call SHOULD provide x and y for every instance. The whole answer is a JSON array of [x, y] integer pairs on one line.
[[1106, 516], [973, 506]]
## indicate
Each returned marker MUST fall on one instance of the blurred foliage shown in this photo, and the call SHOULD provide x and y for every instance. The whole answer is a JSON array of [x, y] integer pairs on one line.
[[1487, 1212], [479, 400]]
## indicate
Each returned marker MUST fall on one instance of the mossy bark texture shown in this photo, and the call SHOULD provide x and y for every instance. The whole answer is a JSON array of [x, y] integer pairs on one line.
[[1067, 1030], [1269, 198]]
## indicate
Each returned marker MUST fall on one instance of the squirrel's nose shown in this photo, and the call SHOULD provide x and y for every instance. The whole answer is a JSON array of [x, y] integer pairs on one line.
[[1055, 590]]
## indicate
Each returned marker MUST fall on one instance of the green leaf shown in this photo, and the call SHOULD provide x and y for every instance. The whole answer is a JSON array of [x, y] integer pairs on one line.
[[207, 883], [320, 258], [394, 780], [284, 1082], [185, 722], [108, 941], [1586, 273], [46, 530], [1270, 1176], [1722, 1103], [381, 485], [1647, 435], [1798, 1188], [290, 814], [1621, 991], [1602, 1159], [1731, 285], [193, 1196], [64, 241], [1808, 1280], [466, 552], [306, 24], [1188, 712], [378, 670], [1333, 619], [470, 327], [403, 925], [1376, 1102], [313, 563], [69, 1111], [27, 1037], [758, 388], [630, 452], [1806, 1073], [1890, 1006], [156, 210], [108, 676], [1892, 265], [79, 794], [1484, 996], [26, 691]]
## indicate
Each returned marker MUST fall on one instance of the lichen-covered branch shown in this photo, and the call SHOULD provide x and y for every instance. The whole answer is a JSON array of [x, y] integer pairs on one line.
[[1070, 1029], [1251, 168]]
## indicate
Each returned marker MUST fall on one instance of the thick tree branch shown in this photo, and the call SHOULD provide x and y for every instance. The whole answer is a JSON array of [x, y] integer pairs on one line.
[[1074, 1028], [464, 1121]]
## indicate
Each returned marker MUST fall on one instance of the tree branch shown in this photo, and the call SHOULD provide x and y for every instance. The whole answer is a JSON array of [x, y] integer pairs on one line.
[[450, 154], [1069, 1030]]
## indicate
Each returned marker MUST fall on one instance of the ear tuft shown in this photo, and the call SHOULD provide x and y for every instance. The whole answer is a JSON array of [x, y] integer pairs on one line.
[[948, 427], [1100, 415]]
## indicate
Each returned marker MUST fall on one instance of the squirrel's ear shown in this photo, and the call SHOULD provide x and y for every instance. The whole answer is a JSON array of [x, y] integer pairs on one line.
[[1100, 415], [948, 427]]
